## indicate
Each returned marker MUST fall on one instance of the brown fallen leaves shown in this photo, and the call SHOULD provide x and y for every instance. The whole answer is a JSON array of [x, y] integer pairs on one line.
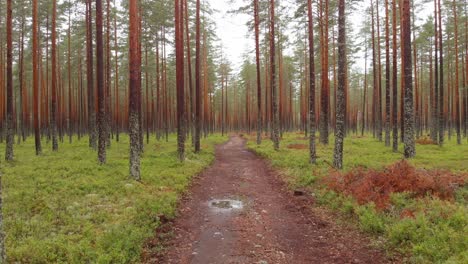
[[369, 185]]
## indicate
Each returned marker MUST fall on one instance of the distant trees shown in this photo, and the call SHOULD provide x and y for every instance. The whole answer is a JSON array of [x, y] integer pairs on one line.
[[81, 81]]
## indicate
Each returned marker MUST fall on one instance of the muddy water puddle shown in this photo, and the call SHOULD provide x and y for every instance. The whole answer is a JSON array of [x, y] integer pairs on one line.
[[226, 205]]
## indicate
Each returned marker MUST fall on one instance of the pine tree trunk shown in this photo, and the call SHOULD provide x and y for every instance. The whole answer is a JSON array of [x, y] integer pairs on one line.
[[312, 125], [409, 140], [436, 120], [273, 84], [379, 78], [340, 102], [394, 77], [375, 101], [108, 101], [24, 121], [325, 89], [53, 119], [259, 81], [457, 78], [198, 81], [101, 121], [116, 84], [364, 101], [9, 148], [190, 104], [387, 76], [70, 114], [134, 102], [441, 77], [35, 36], [90, 80], [147, 104], [179, 40], [9, 86]]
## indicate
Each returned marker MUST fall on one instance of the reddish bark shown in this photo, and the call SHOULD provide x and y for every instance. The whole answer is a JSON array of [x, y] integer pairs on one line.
[[134, 102]]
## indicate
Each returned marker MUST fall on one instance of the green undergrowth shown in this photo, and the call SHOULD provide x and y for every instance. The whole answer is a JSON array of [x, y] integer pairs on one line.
[[427, 230], [65, 208]]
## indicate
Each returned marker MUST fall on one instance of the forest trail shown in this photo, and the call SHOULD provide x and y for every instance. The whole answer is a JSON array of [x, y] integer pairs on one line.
[[239, 211]]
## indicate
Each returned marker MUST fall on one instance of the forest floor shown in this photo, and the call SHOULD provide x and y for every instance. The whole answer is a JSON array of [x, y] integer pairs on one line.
[[240, 211], [62, 207], [416, 221]]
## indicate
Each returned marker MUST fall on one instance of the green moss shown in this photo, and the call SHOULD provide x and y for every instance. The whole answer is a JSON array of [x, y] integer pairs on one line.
[[370, 220], [64, 208]]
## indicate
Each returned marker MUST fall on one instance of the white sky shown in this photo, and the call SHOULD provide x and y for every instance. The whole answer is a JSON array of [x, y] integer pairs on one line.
[[236, 41], [231, 30]]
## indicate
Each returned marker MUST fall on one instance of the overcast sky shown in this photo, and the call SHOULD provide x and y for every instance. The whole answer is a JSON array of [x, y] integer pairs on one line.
[[236, 41], [231, 30]]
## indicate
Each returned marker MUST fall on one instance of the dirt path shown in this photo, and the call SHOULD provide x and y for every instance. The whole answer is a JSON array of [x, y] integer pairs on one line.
[[265, 223]]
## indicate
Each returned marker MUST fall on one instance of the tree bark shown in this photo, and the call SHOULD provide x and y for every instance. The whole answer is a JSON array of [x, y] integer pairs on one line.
[[273, 84], [24, 120], [35, 36], [325, 88], [89, 75], [9, 87], [340, 107], [387, 76], [394, 77], [409, 140], [116, 84], [108, 100], [375, 99], [102, 139], [70, 109], [134, 102], [312, 125], [198, 81], [53, 106], [457, 78], [259, 81], [441, 77], [179, 40]]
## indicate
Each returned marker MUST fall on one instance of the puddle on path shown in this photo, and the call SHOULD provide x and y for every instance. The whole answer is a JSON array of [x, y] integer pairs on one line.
[[225, 205]]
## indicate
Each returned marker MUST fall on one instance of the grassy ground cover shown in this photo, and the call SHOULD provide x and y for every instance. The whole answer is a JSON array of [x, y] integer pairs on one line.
[[426, 229], [64, 208]]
